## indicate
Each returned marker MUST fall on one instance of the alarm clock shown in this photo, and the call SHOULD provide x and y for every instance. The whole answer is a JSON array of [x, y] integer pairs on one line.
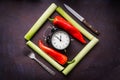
[[59, 39]]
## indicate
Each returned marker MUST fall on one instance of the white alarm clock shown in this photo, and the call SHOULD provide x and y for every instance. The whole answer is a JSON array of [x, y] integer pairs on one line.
[[59, 39]]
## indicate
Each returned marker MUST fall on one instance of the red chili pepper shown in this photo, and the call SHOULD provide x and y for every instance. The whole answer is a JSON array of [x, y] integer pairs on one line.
[[57, 56], [62, 23]]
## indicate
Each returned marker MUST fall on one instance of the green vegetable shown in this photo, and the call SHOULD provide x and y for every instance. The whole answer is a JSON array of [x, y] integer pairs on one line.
[[80, 55], [86, 49], [45, 56], [40, 21], [70, 62]]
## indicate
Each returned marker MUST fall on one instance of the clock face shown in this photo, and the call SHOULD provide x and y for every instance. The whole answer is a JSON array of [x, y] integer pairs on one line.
[[60, 40]]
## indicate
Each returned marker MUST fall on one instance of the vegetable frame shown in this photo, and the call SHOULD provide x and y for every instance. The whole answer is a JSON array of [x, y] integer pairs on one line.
[[78, 57]]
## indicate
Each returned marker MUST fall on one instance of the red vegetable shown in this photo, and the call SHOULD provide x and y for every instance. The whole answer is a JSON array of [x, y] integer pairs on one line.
[[62, 23], [57, 56]]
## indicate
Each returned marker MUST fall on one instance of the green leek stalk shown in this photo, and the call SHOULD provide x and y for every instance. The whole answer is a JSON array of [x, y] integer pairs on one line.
[[80, 55], [40, 21], [86, 49], [45, 56]]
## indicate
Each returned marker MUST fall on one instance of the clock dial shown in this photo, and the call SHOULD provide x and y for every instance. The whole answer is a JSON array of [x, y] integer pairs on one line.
[[60, 40]]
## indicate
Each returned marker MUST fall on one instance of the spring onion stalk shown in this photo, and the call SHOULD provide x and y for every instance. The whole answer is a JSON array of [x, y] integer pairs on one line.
[[74, 23], [45, 56], [86, 49], [40, 21], [80, 55]]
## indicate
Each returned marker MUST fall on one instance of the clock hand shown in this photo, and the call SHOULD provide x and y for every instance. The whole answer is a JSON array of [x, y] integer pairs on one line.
[[58, 38]]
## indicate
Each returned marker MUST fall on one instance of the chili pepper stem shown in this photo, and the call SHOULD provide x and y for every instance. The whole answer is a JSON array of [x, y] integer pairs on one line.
[[50, 19], [70, 62]]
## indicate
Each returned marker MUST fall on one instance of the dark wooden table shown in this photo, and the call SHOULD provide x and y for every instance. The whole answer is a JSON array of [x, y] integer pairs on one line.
[[18, 16]]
